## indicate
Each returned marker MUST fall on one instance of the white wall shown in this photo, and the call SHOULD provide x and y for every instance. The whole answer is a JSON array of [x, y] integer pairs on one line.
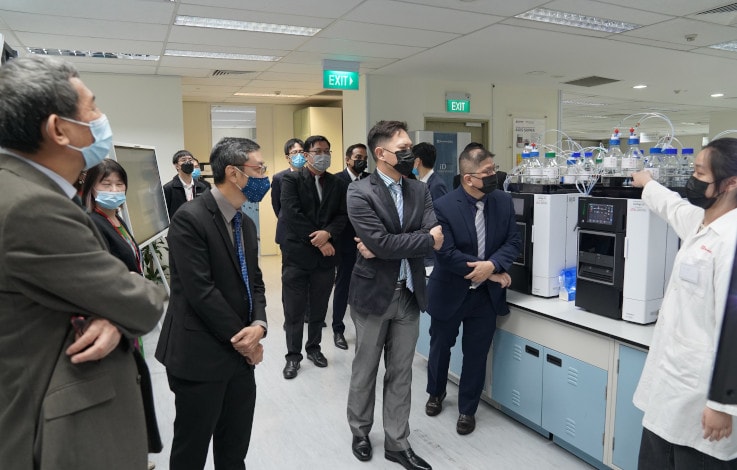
[[143, 110]]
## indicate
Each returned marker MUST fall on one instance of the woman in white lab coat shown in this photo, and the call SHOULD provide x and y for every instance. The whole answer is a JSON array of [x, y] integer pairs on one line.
[[682, 428]]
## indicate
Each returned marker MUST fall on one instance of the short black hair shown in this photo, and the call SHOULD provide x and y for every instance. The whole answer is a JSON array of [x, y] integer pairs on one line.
[[425, 151], [233, 151], [722, 158], [350, 149], [96, 174], [180, 154], [470, 160], [312, 140], [291, 143], [383, 131], [473, 146]]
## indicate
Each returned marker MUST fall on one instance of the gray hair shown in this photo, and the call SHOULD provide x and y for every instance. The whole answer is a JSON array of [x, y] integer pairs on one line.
[[32, 88], [232, 151]]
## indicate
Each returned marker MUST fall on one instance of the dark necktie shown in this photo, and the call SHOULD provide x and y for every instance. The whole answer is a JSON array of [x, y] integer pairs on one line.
[[405, 272], [242, 258]]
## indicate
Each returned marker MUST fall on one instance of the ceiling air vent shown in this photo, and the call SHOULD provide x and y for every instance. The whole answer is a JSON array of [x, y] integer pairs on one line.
[[232, 73], [725, 9], [591, 81]]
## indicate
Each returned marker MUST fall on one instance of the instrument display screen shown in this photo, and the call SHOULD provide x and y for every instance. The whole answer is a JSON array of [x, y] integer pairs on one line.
[[600, 214]]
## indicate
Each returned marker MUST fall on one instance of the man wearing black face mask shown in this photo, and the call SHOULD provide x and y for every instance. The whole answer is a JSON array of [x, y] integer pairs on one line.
[[469, 281], [356, 159], [182, 187]]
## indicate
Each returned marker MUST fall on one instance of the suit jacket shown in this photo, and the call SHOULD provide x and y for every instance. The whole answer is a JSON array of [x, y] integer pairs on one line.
[[374, 216], [53, 265], [209, 301], [447, 288], [347, 246], [117, 244], [437, 186], [281, 229], [304, 213], [175, 195]]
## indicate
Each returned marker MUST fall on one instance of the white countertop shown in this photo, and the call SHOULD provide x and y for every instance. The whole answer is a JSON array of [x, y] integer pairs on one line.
[[567, 312]]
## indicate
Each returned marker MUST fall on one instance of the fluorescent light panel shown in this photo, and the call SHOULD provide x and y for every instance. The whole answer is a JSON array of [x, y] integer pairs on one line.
[[575, 20], [219, 23], [93, 54], [730, 46], [221, 55], [271, 95]]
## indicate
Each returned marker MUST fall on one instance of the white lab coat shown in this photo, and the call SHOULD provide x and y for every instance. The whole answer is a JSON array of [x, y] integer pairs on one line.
[[675, 382]]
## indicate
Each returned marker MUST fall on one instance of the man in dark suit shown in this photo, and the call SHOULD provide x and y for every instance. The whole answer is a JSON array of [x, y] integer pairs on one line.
[[425, 157], [294, 153], [313, 209], [70, 393], [468, 282], [183, 187], [210, 340], [396, 226], [355, 169], [501, 176]]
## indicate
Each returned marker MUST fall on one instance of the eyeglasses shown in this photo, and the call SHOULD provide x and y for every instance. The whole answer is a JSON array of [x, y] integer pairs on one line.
[[315, 153], [262, 168], [185, 160], [296, 151], [485, 173]]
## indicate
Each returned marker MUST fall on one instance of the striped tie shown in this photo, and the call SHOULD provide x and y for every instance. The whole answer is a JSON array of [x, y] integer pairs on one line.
[[404, 270], [242, 258], [480, 223]]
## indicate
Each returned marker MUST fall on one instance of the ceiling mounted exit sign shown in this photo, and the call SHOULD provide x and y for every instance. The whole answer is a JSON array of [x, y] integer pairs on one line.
[[458, 102], [340, 74]]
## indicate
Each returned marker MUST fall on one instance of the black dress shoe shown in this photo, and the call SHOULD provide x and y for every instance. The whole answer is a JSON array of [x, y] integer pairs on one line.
[[434, 405], [290, 370], [318, 358], [466, 424], [340, 341], [362, 448], [407, 459]]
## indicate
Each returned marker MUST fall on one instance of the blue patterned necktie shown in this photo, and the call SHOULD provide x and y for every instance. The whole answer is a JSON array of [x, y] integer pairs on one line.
[[404, 270], [242, 258]]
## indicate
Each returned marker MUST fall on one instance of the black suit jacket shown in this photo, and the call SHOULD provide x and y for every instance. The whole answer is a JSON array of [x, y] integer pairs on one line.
[[118, 246], [437, 186], [209, 301], [304, 213], [276, 205], [447, 287], [347, 246], [374, 216], [175, 195]]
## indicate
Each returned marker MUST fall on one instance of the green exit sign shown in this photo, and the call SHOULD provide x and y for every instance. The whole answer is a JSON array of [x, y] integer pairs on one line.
[[458, 106], [339, 80]]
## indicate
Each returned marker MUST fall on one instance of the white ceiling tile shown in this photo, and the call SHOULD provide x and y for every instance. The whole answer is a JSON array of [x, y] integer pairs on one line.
[[141, 11], [81, 43], [491, 7], [605, 10], [325, 8], [212, 64], [68, 26], [210, 88], [190, 72], [668, 7], [293, 78], [222, 37], [338, 46], [238, 48], [110, 66], [654, 43], [394, 13], [385, 34], [254, 16], [674, 31]]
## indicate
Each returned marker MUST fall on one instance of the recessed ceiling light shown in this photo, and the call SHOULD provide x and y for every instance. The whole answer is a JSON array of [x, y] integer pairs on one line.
[[271, 95], [218, 23], [639, 87], [730, 46], [94, 54], [575, 20], [221, 55], [717, 95]]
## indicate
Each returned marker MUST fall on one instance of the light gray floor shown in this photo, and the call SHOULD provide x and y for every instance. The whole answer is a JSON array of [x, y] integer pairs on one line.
[[301, 423]]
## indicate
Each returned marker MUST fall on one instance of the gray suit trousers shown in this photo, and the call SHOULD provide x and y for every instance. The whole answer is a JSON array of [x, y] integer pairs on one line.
[[394, 333]]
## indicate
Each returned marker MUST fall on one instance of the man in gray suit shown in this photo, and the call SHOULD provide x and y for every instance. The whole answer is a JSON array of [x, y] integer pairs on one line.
[[395, 228], [70, 393]]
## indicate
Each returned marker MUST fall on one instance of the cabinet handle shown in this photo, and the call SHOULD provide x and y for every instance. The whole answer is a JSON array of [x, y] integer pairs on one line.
[[555, 360], [530, 350]]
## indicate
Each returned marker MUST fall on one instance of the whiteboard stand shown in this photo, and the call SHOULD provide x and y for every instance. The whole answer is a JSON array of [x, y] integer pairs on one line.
[[160, 270]]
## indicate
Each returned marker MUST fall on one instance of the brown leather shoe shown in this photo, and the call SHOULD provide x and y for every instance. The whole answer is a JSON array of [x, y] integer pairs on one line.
[[466, 424], [434, 405]]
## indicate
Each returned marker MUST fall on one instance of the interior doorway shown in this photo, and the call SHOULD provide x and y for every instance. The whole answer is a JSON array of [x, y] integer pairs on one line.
[[478, 128]]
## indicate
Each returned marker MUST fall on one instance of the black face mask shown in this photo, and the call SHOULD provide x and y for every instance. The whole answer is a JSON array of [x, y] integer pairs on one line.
[[187, 168], [359, 166], [489, 184], [405, 162], [695, 193]]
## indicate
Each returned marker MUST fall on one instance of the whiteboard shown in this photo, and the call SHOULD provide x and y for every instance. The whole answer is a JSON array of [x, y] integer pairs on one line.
[[145, 207]]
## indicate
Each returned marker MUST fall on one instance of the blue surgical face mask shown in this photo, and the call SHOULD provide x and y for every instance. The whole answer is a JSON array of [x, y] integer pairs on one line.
[[415, 172], [96, 152], [298, 160], [196, 173], [110, 199]]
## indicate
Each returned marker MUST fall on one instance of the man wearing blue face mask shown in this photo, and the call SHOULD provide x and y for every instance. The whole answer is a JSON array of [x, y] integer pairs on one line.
[[314, 212], [70, 391], [211, 337], [295, 156]]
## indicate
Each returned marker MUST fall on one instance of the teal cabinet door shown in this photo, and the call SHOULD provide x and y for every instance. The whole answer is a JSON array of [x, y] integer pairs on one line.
[[627, 418]]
